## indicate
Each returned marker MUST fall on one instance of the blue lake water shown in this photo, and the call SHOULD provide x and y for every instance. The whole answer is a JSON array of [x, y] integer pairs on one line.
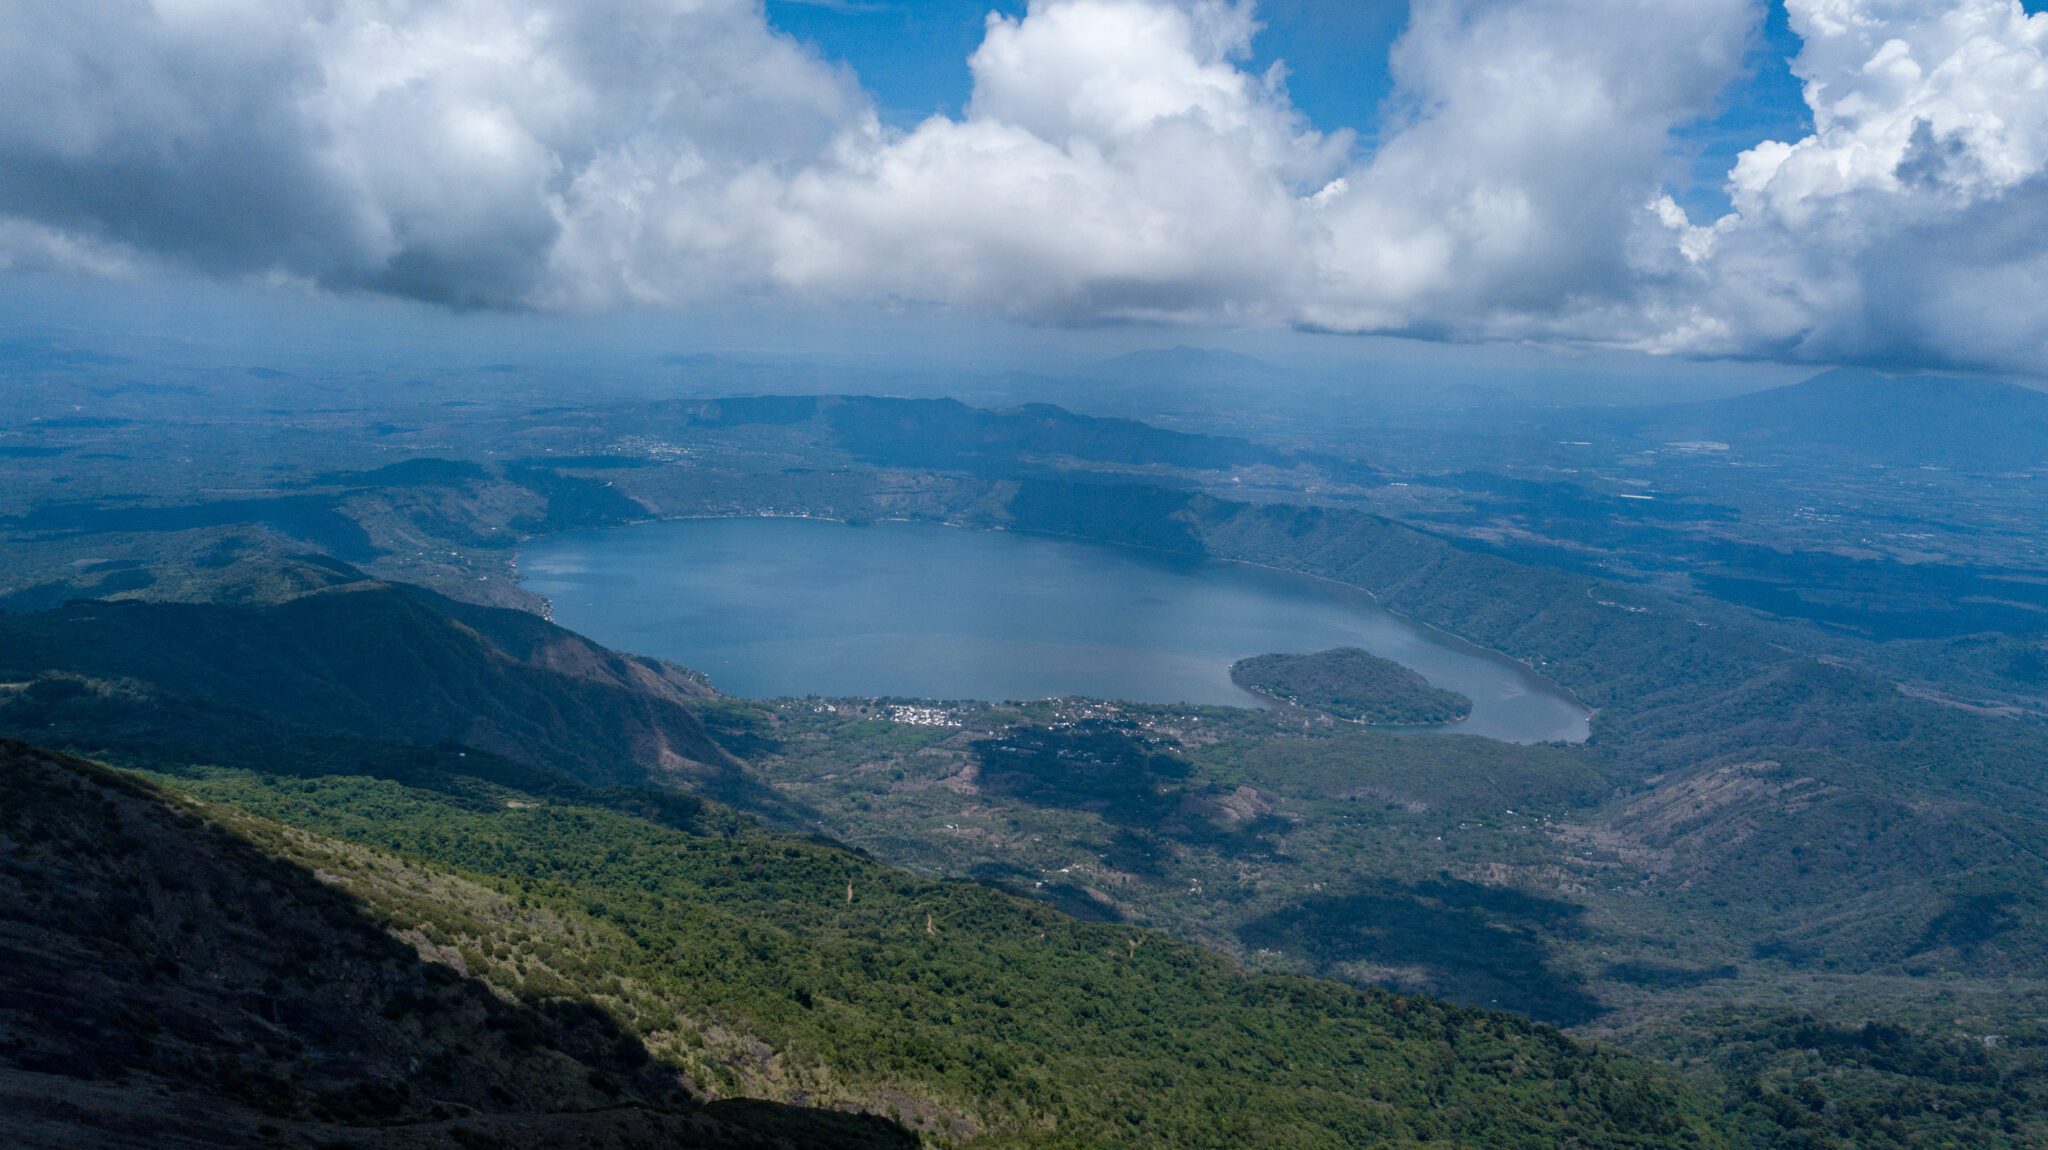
[[780, 607]]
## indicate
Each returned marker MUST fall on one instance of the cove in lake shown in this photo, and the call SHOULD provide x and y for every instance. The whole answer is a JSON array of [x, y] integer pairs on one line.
[[789, 607]]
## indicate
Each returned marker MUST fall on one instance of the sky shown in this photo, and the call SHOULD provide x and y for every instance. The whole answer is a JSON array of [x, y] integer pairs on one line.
[[911, 58], [1809, 182]]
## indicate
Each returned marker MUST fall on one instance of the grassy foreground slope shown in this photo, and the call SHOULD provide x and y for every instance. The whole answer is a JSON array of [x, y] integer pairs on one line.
[[466, 954]]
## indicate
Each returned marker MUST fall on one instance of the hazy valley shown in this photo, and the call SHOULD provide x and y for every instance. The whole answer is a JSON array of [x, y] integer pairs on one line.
[[1805, 882]]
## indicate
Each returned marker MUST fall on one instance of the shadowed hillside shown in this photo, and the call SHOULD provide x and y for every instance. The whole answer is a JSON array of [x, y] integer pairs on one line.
[[165, 982], [394, 663]]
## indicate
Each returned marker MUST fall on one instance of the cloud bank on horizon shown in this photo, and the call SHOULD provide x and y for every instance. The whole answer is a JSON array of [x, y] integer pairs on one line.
[[1117, 161]]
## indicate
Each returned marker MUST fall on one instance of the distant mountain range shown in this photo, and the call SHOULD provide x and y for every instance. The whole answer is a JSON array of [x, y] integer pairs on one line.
[[1184, 364], [1976, 424], [948, 434]]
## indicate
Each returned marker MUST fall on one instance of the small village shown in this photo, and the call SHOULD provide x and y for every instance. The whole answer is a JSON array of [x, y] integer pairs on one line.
[[917, 716]]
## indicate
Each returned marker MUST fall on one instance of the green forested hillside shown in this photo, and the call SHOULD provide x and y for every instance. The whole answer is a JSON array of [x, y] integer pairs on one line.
[[1352, 684], [583, 957]]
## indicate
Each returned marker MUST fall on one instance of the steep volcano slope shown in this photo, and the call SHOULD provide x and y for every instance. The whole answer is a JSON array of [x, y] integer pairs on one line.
[[165, 982]]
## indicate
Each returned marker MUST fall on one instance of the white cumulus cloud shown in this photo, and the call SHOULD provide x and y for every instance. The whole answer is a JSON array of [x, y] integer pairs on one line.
[[451, 150], [1912, 225], [1114, 162], [1531, 132]]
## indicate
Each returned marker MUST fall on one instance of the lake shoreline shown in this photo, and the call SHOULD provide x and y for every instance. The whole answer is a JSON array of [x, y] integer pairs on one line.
[[1296, 610]]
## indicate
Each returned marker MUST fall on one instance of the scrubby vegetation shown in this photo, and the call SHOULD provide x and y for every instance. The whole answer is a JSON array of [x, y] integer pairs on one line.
[[772, 967], [1795, 1081]]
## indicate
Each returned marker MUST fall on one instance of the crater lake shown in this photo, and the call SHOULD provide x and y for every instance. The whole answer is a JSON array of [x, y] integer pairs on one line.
[[772, 607]]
